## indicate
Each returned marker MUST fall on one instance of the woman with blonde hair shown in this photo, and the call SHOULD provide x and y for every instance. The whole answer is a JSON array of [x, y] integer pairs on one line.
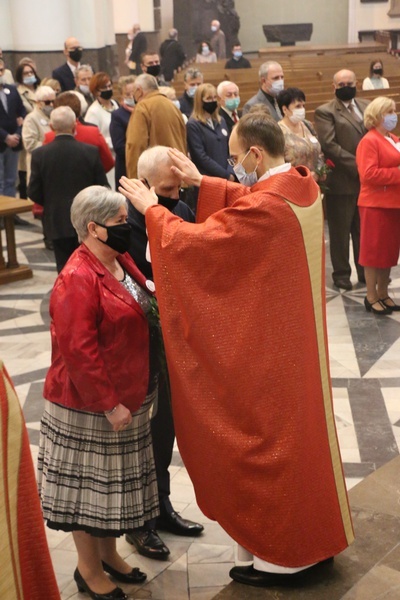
[[207, 135], [378, 162]]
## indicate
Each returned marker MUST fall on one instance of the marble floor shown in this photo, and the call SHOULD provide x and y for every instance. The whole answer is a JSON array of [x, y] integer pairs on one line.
[[365, 369]]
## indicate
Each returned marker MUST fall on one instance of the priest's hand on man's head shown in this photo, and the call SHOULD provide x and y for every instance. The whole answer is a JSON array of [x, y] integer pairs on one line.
[[138, 194], [184, 168]]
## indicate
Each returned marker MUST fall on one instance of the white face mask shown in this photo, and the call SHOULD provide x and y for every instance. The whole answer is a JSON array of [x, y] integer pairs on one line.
[[276, 87], [205, 50], [85, 89], [248, 179], [177, 104], [129, 101], [298, 114]]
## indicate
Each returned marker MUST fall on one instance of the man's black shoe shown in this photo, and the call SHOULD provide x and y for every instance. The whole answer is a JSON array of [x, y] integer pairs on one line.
[[174, 523], [148, 543], [344, 284], [250, 576]]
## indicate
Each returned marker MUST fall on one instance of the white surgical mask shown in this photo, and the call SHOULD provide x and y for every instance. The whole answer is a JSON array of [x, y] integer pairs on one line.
[[276, 87], [298, 114], [205, 50], [248, 179], [191, 91], [177, 104], [129, 101], [84, 89], [214, 28]]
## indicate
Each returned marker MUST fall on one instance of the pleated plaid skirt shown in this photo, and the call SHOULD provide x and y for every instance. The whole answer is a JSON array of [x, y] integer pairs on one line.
[[93, 479]]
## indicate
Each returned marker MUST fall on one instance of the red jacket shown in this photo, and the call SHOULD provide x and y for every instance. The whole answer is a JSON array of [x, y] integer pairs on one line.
[[100, 339], [90, 135], [378, 164]]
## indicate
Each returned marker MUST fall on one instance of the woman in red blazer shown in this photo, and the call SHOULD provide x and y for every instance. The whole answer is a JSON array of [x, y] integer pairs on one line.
[[378, 162], [96, 470]]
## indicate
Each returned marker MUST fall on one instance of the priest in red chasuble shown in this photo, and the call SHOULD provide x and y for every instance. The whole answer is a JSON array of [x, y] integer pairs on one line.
[[242, 306]]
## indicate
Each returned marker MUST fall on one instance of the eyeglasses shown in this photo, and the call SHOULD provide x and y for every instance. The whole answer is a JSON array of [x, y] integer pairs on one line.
[[233, 160], [48, 102]]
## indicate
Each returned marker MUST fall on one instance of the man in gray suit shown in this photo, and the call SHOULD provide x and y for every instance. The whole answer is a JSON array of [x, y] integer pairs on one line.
[[271, 83], [340, 127]]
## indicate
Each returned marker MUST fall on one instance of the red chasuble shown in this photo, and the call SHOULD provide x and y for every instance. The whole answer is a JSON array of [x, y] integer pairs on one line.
[[26, 571], [242, 306]]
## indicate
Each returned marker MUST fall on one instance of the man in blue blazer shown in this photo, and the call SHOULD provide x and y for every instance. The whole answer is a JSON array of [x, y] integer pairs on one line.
[[12, 113], [66, 73]]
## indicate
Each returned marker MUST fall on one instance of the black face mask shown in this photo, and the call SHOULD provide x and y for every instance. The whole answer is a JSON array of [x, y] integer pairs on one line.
[[377, 71], [75, 55], [106, 95], [169, 203], [210, 107], [346, 93], [154, 70], [118, 236]]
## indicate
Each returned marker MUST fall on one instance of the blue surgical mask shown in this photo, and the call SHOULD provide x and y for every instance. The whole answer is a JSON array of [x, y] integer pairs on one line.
[[238, 54], [191, 91], [232, 103], [248, 179], [390, 121], [30, 80], [85, 89], [129, 102]]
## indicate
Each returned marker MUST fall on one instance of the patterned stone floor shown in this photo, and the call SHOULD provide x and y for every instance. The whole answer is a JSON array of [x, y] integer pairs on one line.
[[365, 369]]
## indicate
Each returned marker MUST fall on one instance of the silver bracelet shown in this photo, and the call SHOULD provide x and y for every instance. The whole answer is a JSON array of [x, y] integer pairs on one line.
[[111, 412]]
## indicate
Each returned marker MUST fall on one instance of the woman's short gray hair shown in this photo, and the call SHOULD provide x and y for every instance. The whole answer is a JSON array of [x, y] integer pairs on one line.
[[94, 203], [44, 92]]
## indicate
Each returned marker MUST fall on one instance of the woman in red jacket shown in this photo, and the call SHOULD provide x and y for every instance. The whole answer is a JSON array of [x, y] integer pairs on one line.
[[378, 162], [96, 468]]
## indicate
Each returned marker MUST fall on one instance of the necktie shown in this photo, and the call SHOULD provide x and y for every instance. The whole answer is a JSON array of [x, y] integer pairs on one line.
[[235, 116], [353, 113]]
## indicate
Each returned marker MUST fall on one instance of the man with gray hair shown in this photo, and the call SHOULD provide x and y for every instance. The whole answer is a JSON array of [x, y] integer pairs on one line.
[[218, 41], [172, 55], [154, 168], [154, 122], [191, 79], [83, 75], [59, 171], [271, 83], [229, 100]]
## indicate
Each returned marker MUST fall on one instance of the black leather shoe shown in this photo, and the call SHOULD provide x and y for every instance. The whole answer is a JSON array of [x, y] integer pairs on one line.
[[174, 523], [344, 284], [116, 594], [250, 576], [135, 576], [148, 543], [382, 310], [392, 306]]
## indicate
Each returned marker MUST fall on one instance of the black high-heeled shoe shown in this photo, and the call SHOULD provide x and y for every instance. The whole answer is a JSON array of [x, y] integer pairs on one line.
[[135, 576], [115, 594], [370, 307], [393, 306]]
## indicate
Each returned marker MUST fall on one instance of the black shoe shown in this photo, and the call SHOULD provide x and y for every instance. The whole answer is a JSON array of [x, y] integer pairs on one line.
[[116, 594], [174, 523], [344, 284], [20, 222], [391, 306], [48, 244], [384, 310], [135, 576], [148, 543], [250, 576]]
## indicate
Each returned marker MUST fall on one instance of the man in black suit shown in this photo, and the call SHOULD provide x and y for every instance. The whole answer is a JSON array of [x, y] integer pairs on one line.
[[12, 113], [154, 168], [66, 73], [237, 61], [229, 100], [59, 171], [172, 55]]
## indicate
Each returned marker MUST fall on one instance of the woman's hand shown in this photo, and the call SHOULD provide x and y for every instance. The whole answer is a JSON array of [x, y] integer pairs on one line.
[[119, 418], [138, 194], [184, 168]]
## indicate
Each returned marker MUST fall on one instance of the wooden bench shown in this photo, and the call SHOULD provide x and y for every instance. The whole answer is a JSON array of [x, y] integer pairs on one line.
[[12, 270]]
